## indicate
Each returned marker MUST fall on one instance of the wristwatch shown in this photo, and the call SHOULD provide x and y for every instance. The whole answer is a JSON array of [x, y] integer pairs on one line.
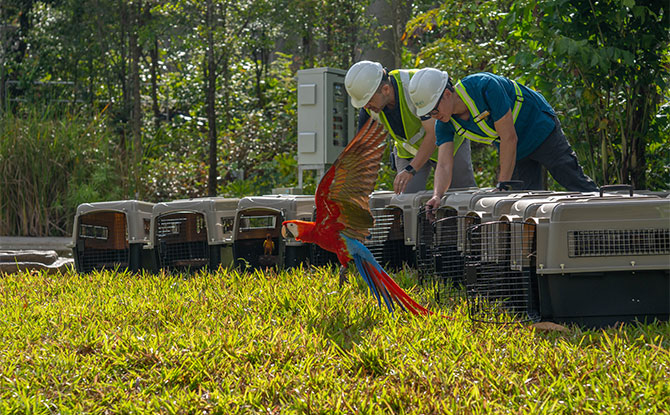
[[409, 169]]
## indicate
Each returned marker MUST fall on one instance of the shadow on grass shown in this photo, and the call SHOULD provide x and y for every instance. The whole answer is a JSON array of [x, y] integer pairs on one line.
[[339, 328]]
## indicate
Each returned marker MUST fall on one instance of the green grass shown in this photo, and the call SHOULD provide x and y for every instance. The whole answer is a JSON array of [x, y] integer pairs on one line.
[[294, 342]]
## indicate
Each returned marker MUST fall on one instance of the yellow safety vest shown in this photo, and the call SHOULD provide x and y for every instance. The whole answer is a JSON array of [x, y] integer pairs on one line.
[[479, 119], [413, 129]]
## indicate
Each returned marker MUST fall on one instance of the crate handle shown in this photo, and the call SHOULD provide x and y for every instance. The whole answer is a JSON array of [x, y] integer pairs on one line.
[[510, 185], [611, 187]]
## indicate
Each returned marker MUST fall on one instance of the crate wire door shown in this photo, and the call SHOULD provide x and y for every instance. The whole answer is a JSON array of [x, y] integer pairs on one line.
[[449, 276], [425, 256], [501, 285], [103, 240], [386, 241], [255, 224], [182, 241]]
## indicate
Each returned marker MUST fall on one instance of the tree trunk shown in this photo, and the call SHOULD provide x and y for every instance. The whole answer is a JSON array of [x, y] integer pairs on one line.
[[122, 118], [647, 99], [154, 84], [210, 89], [604, 159], [393, 13], [136, 113]]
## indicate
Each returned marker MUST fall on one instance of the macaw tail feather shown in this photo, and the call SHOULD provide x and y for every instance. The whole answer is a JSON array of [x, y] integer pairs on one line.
[[383, 287]]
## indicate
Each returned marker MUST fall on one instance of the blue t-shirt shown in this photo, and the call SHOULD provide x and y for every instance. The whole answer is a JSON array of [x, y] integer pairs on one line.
[[496, 94]]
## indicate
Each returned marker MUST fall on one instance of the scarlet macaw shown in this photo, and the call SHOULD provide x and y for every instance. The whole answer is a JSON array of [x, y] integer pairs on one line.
[[343, 215]]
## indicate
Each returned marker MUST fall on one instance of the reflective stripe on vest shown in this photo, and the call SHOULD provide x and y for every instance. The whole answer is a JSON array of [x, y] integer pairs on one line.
[[411, 124], [491, 134]]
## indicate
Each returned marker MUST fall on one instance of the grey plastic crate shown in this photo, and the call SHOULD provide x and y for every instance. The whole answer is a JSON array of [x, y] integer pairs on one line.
[[109, 235], [401, 217], [191, 234], [434, 259], [497, 292], [455, 215], [386, 239], [603, 260], [260, 217], [501, 252]]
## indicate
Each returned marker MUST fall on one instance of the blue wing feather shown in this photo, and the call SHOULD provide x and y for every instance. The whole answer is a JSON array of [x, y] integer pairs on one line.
[[381, 285]]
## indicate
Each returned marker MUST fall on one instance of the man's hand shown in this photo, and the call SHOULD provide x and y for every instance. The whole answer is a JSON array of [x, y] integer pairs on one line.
[[401, 180], [431, 207]]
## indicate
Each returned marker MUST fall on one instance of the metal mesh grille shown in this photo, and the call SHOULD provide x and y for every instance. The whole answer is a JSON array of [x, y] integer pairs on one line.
[[498, 289], [425, 256], [616, 242], [96, 259], [449, 258], [102, 241], [319, 256], [386, 240], [182, 241]]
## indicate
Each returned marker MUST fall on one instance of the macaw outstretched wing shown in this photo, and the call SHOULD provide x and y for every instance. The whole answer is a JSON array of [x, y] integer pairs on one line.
[[343, 193]]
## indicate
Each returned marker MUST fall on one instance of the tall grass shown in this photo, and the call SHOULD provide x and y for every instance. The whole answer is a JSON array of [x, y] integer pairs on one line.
[[293, 342], [50, 161]]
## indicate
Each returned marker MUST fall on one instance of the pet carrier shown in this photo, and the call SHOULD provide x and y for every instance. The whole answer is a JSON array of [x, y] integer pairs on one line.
[[404, 209], [499, 281], [497, 291], [426, 254], [257, 240], [386, 240], [192, 234], [112, 234], [438, 261], [499, 260], [603, 260], [449, 237]]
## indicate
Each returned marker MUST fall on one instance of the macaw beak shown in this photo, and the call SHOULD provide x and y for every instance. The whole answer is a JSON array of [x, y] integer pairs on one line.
[[284, 231]]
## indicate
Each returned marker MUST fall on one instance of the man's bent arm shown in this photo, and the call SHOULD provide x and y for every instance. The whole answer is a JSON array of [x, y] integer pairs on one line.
[[508, 141], [443, 173]]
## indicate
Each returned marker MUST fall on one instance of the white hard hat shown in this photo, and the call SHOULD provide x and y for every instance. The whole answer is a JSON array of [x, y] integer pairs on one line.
[[362, 81], [425, 89]]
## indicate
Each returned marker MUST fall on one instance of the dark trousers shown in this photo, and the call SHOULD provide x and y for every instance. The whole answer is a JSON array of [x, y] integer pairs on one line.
[[558, 157]]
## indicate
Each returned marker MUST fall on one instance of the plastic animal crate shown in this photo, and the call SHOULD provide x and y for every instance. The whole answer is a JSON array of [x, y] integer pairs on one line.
[[259, 218], [386, 239], [191, 234], [109, 235], [603, 260], [498, 290]]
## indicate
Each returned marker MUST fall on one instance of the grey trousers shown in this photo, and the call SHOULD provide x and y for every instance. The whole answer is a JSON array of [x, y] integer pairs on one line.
[[558, 157], [463, 174]]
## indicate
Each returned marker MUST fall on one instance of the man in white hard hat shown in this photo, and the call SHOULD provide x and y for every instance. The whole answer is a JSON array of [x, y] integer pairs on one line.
[[384, 96], [496, 110]]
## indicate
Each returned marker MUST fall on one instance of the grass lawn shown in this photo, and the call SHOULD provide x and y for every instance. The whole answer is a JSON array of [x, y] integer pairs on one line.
[[294, 342]]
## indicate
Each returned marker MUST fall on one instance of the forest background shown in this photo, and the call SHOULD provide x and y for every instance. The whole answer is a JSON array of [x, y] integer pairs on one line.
[[159, 100]]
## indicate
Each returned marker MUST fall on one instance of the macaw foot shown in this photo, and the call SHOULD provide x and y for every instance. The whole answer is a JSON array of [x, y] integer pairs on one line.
[[343, 275]]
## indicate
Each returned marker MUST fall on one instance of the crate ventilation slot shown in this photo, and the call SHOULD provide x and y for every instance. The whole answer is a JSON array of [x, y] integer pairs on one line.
[[617, 242]]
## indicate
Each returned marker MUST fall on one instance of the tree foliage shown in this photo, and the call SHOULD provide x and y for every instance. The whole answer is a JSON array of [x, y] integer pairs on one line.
[[199, 95], [603, 65]]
